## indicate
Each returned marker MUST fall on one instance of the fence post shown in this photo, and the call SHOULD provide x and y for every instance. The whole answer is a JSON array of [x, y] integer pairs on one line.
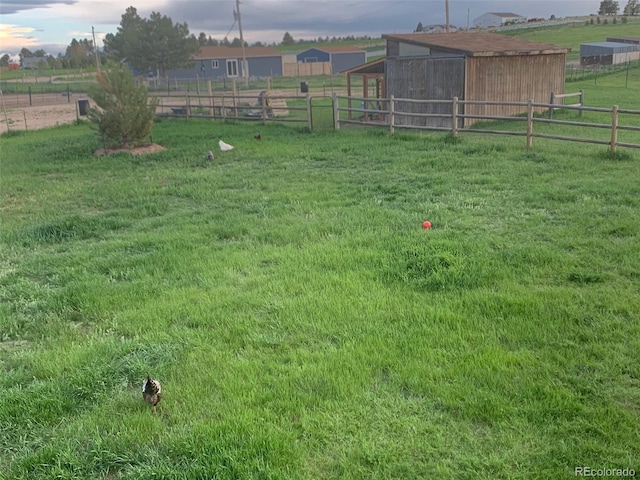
[[529, 124], [581, 102], [392, 109], [454, 117], [336, 112], [309, 119], [30, 104], [614, 129], [551, 101]]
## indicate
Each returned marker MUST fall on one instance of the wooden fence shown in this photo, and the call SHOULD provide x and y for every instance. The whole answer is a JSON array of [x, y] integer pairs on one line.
[[262, 106], [385, 114]]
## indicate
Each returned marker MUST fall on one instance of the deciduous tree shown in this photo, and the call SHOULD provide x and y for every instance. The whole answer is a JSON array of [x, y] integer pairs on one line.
[[608, 7], [632, 8]]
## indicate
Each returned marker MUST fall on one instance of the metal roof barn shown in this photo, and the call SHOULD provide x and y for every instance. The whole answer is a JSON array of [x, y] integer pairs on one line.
[[608, 53]]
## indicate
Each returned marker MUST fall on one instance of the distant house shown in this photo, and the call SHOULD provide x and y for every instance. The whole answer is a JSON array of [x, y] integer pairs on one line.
[[340, 58], [469, 66], [221, 63], [497, 19], [608, 53], [33, 63], [438, 29]]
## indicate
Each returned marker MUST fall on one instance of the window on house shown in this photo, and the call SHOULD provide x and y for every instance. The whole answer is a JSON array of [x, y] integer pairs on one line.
[[214, 64], [232, 68]]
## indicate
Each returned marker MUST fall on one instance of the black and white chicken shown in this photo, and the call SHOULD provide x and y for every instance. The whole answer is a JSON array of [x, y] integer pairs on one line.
[[151, 392]]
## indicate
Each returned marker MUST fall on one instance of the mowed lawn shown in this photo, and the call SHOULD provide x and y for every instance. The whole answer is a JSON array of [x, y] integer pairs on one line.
[[302, 322]]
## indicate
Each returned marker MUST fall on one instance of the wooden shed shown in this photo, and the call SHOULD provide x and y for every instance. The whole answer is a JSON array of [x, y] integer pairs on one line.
[[470, 66]]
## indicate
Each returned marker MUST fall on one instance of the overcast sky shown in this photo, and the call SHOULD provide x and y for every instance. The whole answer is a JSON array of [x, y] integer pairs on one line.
[[52, 25]]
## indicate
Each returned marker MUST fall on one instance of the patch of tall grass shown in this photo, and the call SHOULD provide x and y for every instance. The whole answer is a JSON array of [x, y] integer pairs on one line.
[[301, 321]]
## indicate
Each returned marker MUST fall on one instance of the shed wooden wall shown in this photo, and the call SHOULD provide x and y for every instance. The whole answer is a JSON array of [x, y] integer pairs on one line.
[[516, 78], [425, 79]]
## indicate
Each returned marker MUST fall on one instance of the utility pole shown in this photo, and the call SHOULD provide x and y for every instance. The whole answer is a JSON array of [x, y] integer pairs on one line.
[[446, 3], [245, 66], [95, 50]]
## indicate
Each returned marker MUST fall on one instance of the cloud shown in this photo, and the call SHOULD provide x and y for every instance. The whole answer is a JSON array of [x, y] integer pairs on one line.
[[13, 37], [7, 8]]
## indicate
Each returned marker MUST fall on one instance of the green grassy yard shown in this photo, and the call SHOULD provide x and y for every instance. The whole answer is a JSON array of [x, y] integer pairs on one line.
[[301, 321], [573, 35]]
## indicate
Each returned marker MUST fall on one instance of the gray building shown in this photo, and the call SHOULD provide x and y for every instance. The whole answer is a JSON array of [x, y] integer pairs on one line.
[[608, 53], [341, 58], [226, 63]]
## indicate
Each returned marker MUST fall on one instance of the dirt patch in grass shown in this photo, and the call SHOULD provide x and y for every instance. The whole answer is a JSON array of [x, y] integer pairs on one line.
[[141, 150]]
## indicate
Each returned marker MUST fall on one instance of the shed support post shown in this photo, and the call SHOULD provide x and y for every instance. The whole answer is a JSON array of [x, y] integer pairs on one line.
[[392, 109], [614, 129], [454, 117], [529, 124]]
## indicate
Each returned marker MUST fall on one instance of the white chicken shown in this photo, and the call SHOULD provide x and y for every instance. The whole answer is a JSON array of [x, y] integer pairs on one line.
[[225, 147]]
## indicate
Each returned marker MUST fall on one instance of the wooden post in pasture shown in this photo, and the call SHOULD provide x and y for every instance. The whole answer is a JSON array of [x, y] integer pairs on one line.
[[454, 117], [187, 105], [551, 101], [529, 124], [581, 101], [224, 109], [4, 110], [210, 94], [309, 119], [336, 112], [234, 92], [614, 129], [392, 116]]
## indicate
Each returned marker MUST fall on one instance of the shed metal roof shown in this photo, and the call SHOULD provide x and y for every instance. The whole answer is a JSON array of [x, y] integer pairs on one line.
[[478, 44], [609, 44], [375, 67]]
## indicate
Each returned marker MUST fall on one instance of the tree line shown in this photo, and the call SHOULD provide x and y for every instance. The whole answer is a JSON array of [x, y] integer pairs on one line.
[[155, 44], [612, 7]]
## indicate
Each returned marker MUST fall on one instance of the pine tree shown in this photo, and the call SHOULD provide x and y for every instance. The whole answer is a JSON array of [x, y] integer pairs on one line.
[[125, 114]]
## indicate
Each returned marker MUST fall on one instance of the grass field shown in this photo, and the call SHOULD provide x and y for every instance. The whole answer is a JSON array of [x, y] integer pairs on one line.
[[301, 321], [572, 35]]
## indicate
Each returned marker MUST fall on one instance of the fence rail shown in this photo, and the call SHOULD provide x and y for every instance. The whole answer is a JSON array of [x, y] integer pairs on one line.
[[456, 119]]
